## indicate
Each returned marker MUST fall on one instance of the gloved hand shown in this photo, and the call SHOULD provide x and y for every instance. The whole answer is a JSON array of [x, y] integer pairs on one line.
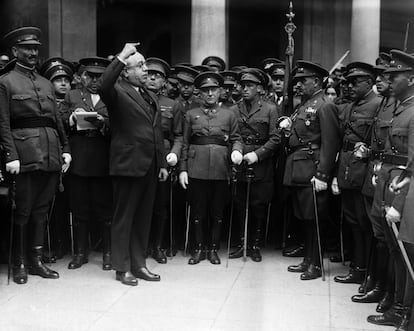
[[285, 124], [392, 215], [320, 185], [361, 151], [13, 167], [374, 179], [396, 186], [72, 117], [250, 158], [236, 157], [163, 175], [172, 159], [67, 159], [335, 187], [183, 179]]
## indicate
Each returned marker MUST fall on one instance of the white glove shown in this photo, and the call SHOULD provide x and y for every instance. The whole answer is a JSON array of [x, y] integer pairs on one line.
[[374, 179], [396, 186], [183, 179], [236, 157], [361, 151], [320, 185], [286, 124], [67, 159], [13, 167], [392, 215], [335, 187], [250, 158], [72, 117], [172, 159], [163, 175]]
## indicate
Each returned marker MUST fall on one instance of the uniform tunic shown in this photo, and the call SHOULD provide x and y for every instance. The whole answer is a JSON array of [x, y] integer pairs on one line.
[[312, 149]]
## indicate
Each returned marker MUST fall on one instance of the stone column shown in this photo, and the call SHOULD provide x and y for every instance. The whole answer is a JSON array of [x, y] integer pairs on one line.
[[72, 28], [365, 30], [208, 29]]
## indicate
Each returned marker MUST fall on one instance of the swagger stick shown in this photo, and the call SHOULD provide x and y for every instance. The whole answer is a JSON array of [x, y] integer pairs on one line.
[[233, 194], [318, 234], [13, 208], [249, 175]]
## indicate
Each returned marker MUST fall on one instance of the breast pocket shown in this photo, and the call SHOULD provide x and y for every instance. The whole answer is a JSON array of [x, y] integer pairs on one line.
[[27, 142], [400, 139]]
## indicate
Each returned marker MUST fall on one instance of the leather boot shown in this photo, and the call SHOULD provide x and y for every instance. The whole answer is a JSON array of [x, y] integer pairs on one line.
[[386, 302], [355, 276], [313, 272], [296, 251], [213, 256], [106, 241], [159, 255], [375, 295], [367, 285], [198, 255], [301, 267], [405, 321], [239, 251], [81, 238], [19, 267], [391, 317], [37, 267]]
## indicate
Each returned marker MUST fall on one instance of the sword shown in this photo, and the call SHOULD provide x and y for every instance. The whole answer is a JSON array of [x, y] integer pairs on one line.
[[269, 206], [187, 226], [72, 242], [318, 235], [13, 208], [249, 175], [172, 175], [341, 235], [403, 251], [49, 216], [233, 194]]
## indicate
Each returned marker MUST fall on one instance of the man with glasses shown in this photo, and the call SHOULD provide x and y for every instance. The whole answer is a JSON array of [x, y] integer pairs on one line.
[[356, 123], [137, 161]]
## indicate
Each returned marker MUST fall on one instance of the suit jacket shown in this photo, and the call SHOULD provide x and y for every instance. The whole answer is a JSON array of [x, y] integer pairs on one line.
[[136, 134], [90, 150]]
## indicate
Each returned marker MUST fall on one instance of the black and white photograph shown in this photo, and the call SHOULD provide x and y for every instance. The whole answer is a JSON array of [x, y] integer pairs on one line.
[[206, 165]]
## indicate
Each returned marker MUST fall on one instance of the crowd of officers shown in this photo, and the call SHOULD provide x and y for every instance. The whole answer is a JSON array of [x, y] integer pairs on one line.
[[230, 147]]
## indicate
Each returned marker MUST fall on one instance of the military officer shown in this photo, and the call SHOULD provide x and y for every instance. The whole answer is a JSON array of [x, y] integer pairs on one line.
[[313, 145], [90, 191], [229, 84], [277, 75], [171, 123], [60, 73], [257, 121], [36, 149], [378, 265], [398, 152], [215, 63], [210, 133], [356, 121]]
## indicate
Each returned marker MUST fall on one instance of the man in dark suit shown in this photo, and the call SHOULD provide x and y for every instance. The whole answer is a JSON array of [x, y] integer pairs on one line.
[[137, 159]]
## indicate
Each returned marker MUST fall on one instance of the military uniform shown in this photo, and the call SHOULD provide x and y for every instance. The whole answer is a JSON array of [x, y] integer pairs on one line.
[[31, 131], [257, 121], [90, 190], [312, 149], [398, 152], [209, 135], [171, 125], [357, 120]]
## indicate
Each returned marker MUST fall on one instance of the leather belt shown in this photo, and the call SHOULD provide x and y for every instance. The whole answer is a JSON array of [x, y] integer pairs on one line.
[[254, 141], [308, 147], [348, 146], [207, 140], [32, 122], [394, 159], [88, 133]]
